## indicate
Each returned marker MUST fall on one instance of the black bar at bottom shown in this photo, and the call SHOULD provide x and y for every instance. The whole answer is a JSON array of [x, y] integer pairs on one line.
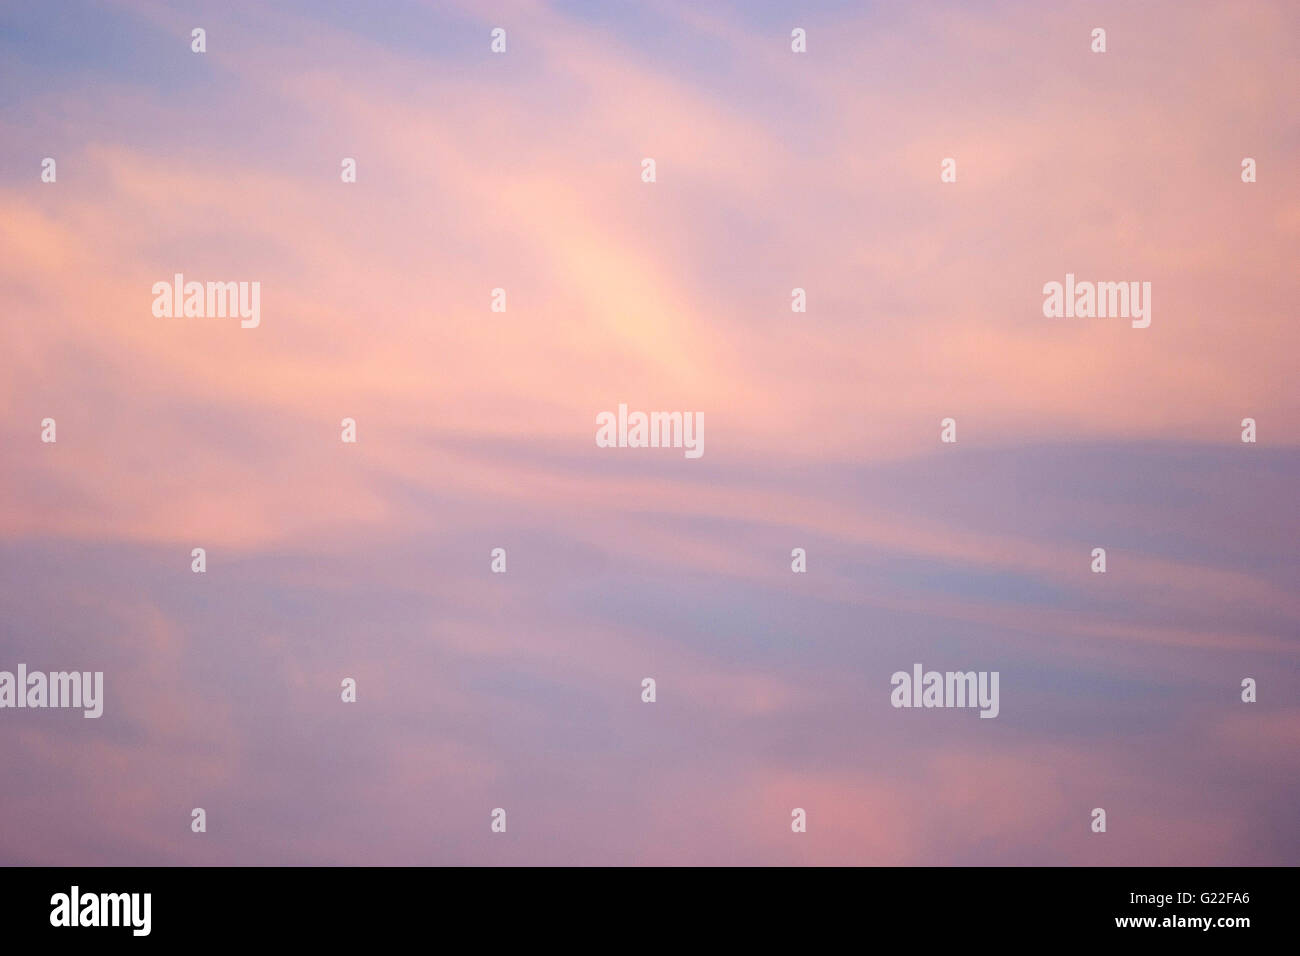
[[642, 907]]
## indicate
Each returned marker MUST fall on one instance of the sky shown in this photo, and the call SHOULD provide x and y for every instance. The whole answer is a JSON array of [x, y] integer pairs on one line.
[[522, 691]]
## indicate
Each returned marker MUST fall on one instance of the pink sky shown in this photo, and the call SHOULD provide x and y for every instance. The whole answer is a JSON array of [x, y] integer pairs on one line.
[[775, 170]]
